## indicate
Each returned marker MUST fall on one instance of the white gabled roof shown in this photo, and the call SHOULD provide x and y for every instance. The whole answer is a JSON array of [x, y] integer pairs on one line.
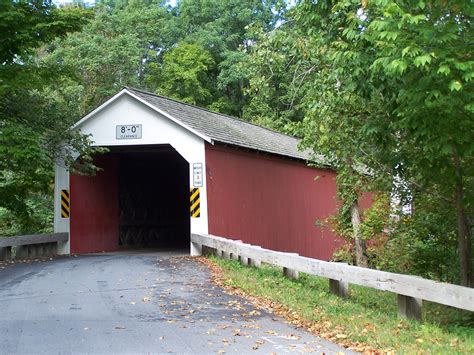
[[216, 127]]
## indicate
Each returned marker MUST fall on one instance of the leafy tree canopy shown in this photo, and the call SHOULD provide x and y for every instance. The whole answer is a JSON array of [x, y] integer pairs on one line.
[[388, 86], [33, 132]]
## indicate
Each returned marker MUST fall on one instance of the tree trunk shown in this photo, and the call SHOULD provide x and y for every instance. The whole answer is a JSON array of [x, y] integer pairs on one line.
[[360, 247], [464, 235]]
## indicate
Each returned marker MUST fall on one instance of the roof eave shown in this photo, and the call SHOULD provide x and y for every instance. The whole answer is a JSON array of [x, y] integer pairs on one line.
[[306, 160], [167, 115]]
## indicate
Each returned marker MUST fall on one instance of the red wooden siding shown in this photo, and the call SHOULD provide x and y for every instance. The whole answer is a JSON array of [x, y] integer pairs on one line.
[[271, 202], [94, 209]]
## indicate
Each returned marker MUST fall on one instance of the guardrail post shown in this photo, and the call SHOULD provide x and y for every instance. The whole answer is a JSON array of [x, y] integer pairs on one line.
[[339, 288], [291, 273], [254, 262], [22, 252], [225, 255], [196, 249], [5, 253], [53, 248], [409, 307], [35, 250], [244, 260], [42, 250], [235, 256]]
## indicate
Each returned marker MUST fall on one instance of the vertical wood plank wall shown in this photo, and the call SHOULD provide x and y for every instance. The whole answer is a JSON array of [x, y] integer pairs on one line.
[[270, 202], [94, 209]]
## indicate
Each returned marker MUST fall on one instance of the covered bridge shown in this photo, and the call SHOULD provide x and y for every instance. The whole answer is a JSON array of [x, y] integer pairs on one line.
[[173, 169]]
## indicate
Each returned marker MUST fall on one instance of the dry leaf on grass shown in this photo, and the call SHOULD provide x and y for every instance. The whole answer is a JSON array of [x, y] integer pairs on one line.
[[322, 329]]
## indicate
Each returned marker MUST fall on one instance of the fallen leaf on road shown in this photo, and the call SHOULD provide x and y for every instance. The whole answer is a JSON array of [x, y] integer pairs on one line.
[[120, 327], [257, 344]]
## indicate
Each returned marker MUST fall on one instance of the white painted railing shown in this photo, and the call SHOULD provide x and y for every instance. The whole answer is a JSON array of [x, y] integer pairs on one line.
[[411, 290]]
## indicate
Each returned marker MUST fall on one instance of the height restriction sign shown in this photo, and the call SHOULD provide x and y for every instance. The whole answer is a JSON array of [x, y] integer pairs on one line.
[[197, 174]]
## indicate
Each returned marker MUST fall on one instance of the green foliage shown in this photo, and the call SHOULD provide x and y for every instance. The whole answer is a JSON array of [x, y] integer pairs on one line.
[[422, 243], [184, 74], [112, 51], [25, 25], [278, 69], [40, 212], [376, 228], [223, 29], [417, 105], [387, 98], [34, 128], [146, 44], [377, 217]]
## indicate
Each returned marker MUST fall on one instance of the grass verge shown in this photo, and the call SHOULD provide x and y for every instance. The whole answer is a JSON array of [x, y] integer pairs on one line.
[[366, 321]]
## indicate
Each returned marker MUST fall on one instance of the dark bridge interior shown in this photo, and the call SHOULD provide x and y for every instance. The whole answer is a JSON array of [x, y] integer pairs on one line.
[[153, 197]]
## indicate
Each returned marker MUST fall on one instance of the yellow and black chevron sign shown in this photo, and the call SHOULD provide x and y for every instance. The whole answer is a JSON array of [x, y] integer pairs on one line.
[[195, 201], [65, 204]]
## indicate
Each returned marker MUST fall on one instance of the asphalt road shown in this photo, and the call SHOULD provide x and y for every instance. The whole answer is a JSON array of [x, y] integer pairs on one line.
[[135, 303]]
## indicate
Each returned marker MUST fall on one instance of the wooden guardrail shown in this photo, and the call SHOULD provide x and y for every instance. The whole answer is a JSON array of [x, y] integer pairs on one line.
[[30, 246], [411, 290]]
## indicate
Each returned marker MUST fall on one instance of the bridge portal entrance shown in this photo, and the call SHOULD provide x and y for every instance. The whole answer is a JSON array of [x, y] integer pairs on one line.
[[140, 199]]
